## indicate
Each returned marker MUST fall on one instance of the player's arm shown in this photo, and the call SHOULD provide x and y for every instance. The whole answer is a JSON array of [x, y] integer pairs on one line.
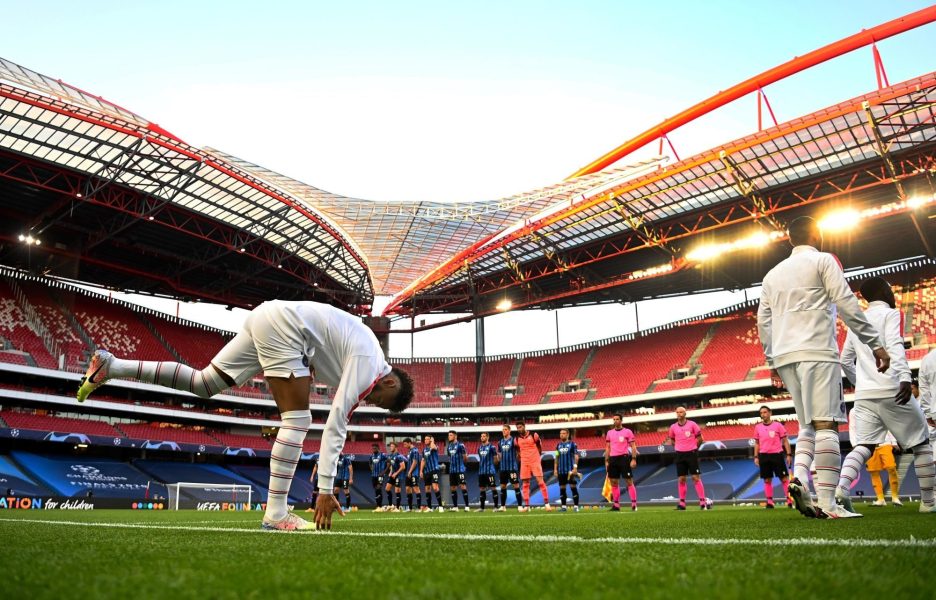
[[314, 472], [575, 458], [422, 466], [357, 380], [849, 309], [757, 449], [927, 380], [787, 449], [893, 339], [607, 453], [633, 449], [350, 473], [764, 324], [849, 358]]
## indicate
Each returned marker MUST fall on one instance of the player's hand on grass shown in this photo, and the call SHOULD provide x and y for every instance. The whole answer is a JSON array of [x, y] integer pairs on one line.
[[882, 358], [324, 507], [903, 394]]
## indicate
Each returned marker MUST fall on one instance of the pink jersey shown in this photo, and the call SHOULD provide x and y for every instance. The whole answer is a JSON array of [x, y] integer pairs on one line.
[[620, 441], [770, 437], [684, 436]]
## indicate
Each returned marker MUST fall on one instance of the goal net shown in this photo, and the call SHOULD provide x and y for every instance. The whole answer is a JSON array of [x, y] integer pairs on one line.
[[209, 496]]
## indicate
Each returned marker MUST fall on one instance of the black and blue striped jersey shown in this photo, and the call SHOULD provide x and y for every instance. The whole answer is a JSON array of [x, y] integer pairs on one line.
[[456, 453], [378, 464], [486, 454], [508, 454], [344, 467], [565, 453], [431, 456]]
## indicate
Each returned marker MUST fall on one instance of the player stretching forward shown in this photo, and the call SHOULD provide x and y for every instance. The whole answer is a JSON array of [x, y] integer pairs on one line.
[[620, 459], [396, 465], [508, 467], [412, 475], [378, 470], [882, 400], [531, 464], [772, 454], [429, 471], [487, 456], [283, 340], [457, 455], [686, 436], [344, 478], [566, 468]]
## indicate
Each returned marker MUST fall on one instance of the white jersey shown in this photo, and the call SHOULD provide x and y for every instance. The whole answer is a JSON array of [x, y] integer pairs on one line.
[[344, 353], [927, 380], [796, 317], [858, 361]]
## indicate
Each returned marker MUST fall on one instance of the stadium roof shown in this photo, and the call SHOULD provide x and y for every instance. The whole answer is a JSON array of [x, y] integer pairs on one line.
[[634, 240], [119, 201]]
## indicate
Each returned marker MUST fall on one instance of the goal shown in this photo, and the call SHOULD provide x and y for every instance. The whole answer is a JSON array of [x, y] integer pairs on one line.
[[186, 494]]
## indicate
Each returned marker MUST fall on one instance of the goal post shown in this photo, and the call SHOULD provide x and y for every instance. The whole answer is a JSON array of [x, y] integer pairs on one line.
[[189, 494]]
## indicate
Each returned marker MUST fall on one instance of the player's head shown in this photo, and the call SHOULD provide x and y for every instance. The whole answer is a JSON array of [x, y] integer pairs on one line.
[[915, 387], [506, 430], [484, 437], [681, 412], [407, 443], [393, 392], [804, 231], [765, 414], [428, 439], [391, 447], [452, 435], [521, 427], [876, 289], [564, 435], [375, 448], [618, 421]]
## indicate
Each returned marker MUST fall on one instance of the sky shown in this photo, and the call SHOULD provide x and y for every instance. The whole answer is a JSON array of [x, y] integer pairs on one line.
[[452, 101]]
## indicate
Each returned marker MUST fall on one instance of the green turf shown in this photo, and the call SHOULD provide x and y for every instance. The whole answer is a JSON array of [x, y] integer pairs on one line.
[[40, 560]]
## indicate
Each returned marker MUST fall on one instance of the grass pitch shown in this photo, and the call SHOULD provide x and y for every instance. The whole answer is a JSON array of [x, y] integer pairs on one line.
[[730, 552]]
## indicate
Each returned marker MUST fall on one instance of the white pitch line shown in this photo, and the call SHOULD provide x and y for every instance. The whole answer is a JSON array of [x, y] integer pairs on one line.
[[565, 539]]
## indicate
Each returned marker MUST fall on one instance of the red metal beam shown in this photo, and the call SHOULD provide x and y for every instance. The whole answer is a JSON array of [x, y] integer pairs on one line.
[[800, 63], [489, 243]]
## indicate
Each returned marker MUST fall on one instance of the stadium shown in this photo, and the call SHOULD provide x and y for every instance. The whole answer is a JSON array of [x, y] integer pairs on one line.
[[142, 490]]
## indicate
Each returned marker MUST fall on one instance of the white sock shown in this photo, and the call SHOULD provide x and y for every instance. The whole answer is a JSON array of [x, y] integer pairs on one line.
[[283, 460], [803, 459], [851, 466], [925, 471], [828, 466], [204, 384]]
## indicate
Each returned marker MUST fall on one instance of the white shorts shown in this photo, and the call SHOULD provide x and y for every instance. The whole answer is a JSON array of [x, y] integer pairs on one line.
[[872, 419], [263, 347], [816, 388]]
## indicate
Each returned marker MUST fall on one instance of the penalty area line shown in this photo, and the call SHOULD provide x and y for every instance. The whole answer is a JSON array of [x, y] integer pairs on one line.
[[565, 539]]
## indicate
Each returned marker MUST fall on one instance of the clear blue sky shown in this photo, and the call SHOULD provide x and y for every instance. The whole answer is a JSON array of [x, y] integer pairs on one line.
[[442, 100]]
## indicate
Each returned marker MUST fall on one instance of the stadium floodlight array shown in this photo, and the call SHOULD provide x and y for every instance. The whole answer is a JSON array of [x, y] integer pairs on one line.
[[186, 494]]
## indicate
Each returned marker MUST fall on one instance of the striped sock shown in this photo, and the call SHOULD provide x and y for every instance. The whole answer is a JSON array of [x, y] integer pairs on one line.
[[284, 458], [925, 471], [828, 466], [204, 384], [851, 466], [805, 450]]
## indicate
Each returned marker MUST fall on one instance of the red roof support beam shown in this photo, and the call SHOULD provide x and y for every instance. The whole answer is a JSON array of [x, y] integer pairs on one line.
[[800, 63]]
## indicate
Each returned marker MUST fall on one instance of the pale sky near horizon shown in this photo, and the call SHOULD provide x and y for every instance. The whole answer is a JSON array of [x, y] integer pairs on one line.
[[440, 101]]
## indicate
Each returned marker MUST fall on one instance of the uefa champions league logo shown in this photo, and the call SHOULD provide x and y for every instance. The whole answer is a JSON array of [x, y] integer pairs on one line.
[[116, 441], [14, 433], [86, 470], [201, 448], [751, 442]]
